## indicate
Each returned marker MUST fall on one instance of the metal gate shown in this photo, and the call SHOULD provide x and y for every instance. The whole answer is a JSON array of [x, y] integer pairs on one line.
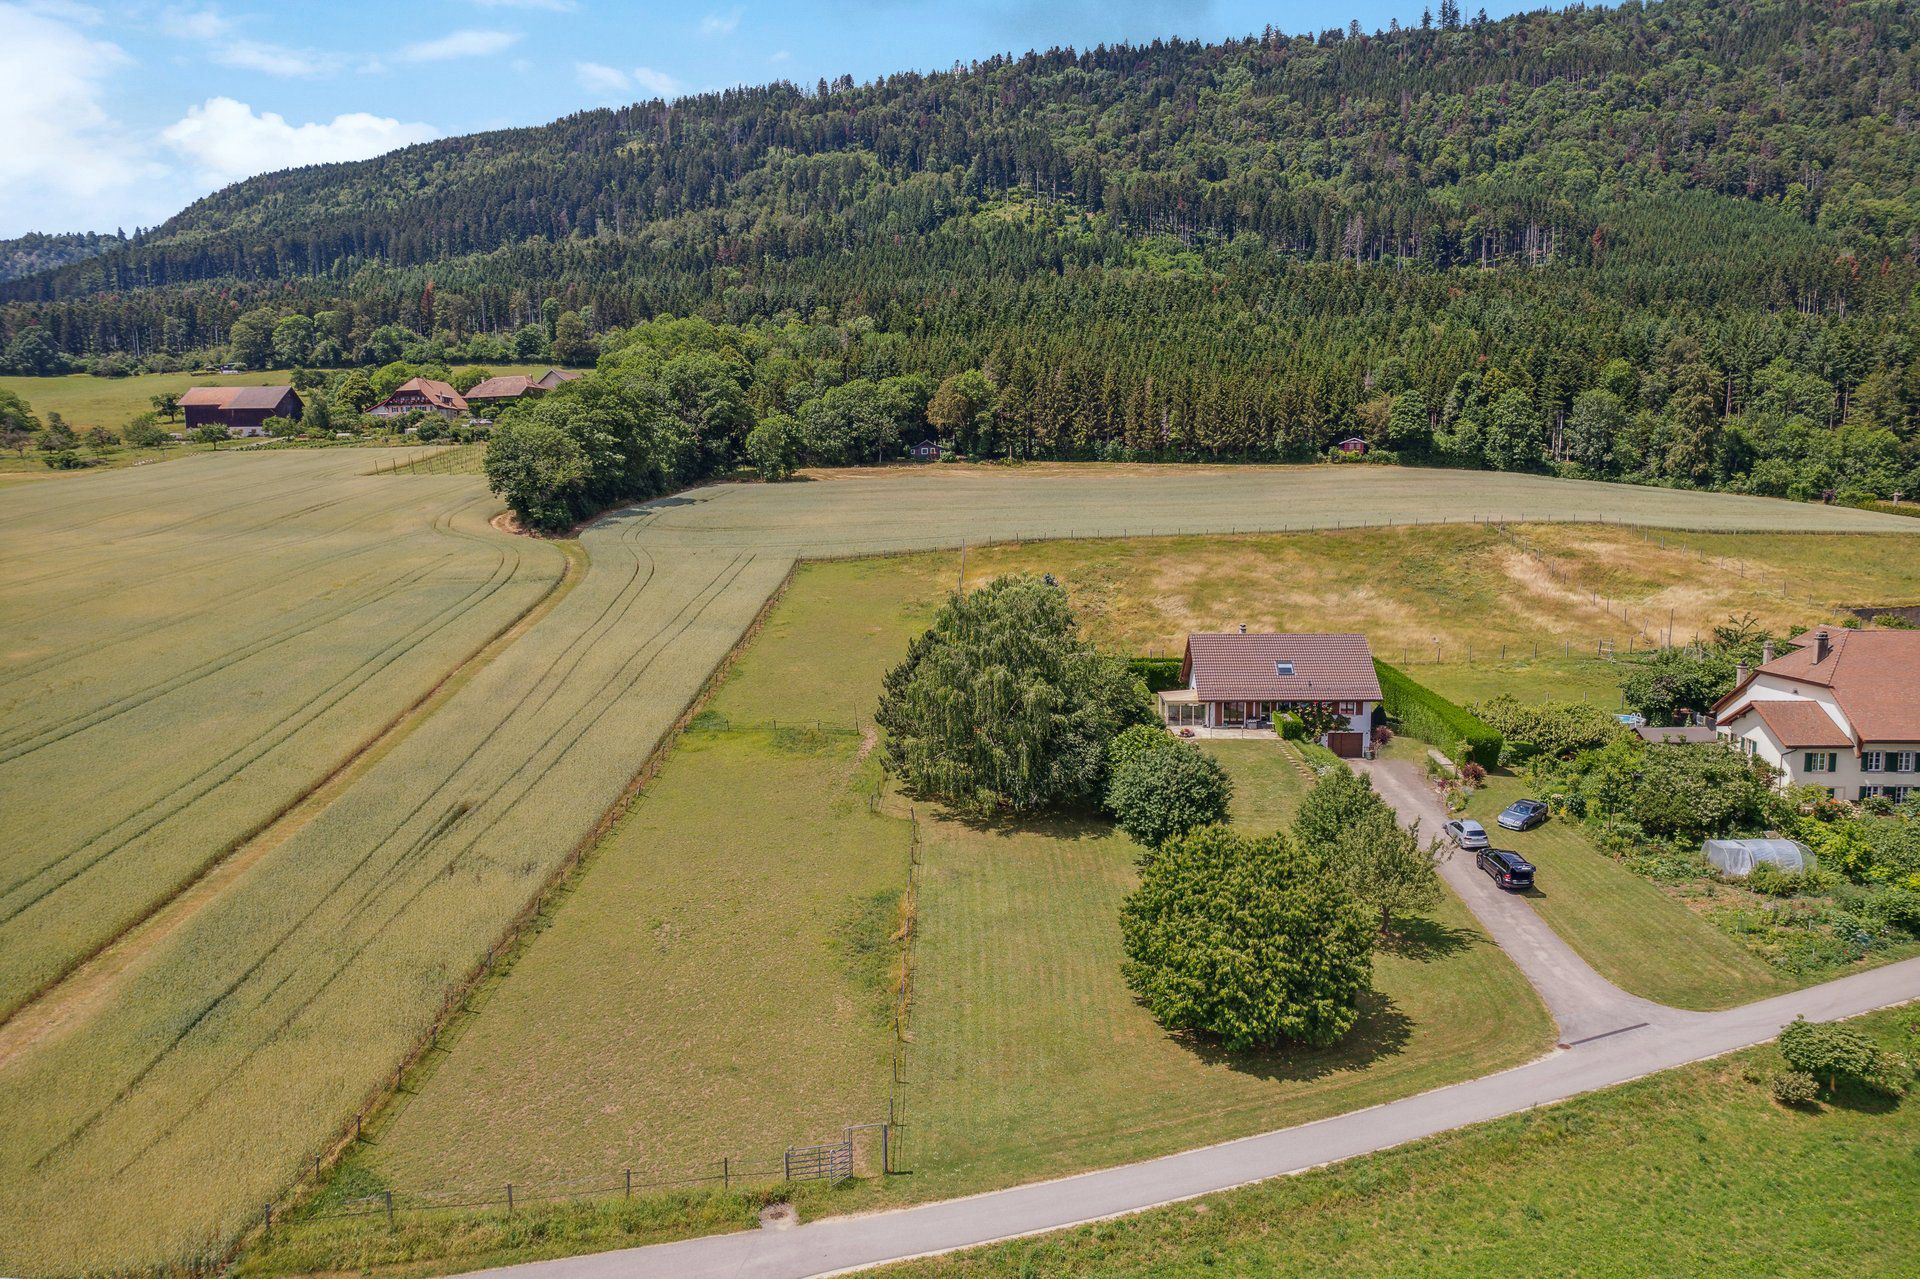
[[831, 1163]]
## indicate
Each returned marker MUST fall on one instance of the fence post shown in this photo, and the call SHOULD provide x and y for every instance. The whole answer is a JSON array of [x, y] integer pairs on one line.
[[389, 1210], [786, 1164], [629, 1183], [726, 1172], [266, 1227], [509, 1198]]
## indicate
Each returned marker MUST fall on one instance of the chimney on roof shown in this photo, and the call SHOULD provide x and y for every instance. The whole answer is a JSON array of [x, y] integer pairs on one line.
[[1821, 646], [1740, 674], [1766, 652], [1243, 629]]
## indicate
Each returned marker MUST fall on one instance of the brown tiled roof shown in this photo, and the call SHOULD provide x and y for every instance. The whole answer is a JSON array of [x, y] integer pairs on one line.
[[554, 377], [1874, 675], [1798, 722], [235, 397], [506, 387], [1325, 667], [438, 394]]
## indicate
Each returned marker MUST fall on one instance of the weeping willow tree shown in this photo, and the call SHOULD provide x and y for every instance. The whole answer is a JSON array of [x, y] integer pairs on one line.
[[1001, 706]]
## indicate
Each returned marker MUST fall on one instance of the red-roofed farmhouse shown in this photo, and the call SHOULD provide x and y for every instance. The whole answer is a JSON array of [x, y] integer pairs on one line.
[[1840, 712], [1241, 681]]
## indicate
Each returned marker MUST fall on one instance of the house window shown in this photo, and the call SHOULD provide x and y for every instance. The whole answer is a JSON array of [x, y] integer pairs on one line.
[[1872, 761], [1903, 762], [1822, 762], [1282, 668], [1349, 708]]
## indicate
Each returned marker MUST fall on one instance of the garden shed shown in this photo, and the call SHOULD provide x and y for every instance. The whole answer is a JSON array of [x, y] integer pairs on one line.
[[1738, 857]]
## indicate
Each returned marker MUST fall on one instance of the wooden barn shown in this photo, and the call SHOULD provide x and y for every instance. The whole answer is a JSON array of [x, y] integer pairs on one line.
[[241, 409]]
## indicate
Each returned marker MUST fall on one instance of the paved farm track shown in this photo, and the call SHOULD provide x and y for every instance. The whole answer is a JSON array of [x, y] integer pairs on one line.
[[154, 1128]]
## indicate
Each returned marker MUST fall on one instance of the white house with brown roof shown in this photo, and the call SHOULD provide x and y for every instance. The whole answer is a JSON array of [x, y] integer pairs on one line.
[[1842, 712], [1236, 680], [418, 393]]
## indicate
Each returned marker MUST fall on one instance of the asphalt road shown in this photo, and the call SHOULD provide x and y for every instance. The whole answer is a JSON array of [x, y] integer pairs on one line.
[[1607, 1037]]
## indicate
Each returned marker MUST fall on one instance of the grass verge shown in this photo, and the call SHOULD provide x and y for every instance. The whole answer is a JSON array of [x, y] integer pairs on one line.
[[1692, 1172]]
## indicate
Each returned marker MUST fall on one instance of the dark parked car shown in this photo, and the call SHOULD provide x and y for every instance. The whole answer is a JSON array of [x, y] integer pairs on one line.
[[1522, 814], [1509, 870], [1467, 835]]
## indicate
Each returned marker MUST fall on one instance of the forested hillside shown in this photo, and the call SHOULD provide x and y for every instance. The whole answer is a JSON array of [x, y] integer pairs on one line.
[[1675, 242], [35, 252]]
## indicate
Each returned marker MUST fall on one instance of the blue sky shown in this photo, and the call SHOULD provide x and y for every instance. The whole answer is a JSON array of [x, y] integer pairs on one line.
[[118, 114]]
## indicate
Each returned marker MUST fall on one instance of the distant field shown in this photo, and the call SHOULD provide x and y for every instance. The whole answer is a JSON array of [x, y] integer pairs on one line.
[[190, 1084], [1691, 1172], [87, 401]]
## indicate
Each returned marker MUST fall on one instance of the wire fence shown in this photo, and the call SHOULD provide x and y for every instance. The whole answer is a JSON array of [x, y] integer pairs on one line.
[[308, 1205], [831, 1162]]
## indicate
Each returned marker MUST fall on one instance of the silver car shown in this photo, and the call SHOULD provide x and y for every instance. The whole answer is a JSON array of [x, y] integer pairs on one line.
[[1467, 835]]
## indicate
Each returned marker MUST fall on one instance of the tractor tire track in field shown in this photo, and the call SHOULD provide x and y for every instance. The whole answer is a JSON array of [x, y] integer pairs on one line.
[[90, 984], [40, 884], [338, 608], [598, 701], [38, 736], [225, 600], [454, 819], [92, 596], [223, 770]]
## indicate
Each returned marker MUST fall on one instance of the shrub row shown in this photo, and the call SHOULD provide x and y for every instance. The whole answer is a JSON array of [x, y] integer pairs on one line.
[[1419, 712], [1158, 673]]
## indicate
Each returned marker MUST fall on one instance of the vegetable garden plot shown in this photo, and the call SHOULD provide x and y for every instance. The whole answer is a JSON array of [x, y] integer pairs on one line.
[[239, 1047]]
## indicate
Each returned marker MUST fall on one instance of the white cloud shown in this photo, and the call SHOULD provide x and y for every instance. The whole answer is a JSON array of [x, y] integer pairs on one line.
[[613, 83], [226, 140], [551, 6], [228, 48], [720, 24], [658, 83], [460, 44], [781, 55], [63, 155], [85, 15], [600, 78]]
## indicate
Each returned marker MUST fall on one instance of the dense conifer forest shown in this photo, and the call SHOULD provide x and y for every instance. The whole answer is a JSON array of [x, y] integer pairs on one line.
[[1674, 242]]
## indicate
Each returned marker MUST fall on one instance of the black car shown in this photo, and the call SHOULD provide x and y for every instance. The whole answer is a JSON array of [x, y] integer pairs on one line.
[[1522, 814], [1509, 870]]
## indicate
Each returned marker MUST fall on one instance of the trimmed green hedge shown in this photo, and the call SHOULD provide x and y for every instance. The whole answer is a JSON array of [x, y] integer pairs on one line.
[[1421, 713], [1158, 673]]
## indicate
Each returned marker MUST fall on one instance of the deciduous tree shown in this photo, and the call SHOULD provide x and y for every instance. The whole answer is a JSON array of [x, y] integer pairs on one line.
[[1249, 941]]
